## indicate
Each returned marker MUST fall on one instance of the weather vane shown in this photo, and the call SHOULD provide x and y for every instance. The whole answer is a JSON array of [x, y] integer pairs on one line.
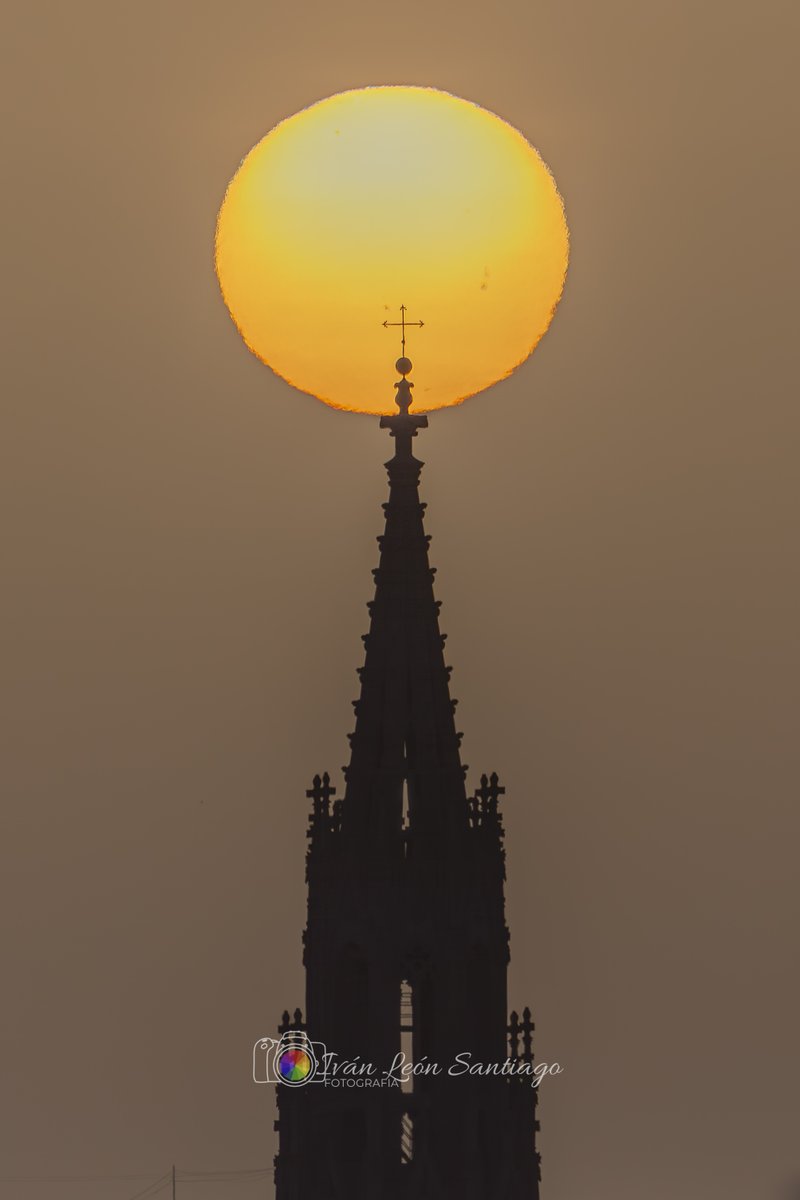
[[402, 324]]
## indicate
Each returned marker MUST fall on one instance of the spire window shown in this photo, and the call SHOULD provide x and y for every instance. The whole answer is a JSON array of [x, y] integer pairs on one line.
[[407, 1032], [406, 1138]]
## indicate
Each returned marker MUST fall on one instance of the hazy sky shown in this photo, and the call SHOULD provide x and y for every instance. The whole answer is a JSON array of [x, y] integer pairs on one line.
[[187, 548]]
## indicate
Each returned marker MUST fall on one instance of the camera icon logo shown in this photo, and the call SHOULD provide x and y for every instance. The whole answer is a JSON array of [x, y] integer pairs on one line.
[[293, 1059]]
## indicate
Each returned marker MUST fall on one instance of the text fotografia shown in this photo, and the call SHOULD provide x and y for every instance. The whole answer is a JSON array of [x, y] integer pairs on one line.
[[295, 1060]]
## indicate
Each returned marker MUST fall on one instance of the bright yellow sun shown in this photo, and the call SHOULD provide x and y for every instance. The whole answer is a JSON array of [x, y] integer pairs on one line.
[[387, 196]]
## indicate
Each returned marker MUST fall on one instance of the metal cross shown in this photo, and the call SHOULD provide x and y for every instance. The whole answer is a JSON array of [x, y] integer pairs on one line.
[[402, 324]]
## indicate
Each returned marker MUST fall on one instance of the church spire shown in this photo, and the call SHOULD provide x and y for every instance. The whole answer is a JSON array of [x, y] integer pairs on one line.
[[405, 732], [406, 944]]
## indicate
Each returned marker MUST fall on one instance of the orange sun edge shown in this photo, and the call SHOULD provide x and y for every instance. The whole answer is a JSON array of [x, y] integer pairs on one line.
[[365, 412]]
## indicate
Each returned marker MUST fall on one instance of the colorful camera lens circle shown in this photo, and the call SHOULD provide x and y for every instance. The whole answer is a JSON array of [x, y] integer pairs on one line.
[[294, 1065]]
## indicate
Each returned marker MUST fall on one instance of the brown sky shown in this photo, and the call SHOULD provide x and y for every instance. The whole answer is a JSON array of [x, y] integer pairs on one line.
[[187, 547]]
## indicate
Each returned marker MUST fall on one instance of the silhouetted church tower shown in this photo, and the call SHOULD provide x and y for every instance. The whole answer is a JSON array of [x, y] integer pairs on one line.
[[406, 946]]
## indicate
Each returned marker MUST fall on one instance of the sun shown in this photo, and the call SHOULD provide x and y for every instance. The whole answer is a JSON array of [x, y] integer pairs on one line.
[[382, 197]]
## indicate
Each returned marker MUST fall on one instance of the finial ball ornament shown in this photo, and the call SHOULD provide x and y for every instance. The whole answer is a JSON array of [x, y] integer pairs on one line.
[[403, 365]]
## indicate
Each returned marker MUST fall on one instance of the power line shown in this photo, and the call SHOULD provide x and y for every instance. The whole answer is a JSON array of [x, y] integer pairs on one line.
[[73, 1178], [221, 1175], [157, 1186]]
